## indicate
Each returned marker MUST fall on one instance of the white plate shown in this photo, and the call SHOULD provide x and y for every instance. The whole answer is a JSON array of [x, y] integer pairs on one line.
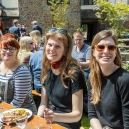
[[27, 110]]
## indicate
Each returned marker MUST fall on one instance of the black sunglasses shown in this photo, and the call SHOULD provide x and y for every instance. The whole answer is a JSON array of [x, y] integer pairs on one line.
[[59, 30]]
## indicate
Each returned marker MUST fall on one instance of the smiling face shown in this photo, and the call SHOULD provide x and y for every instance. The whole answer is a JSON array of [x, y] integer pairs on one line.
[[105, 57], [8, 53], [54, 49]]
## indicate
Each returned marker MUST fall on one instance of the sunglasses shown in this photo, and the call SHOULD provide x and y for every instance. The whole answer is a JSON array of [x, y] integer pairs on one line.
[[59, 30], [31, 43], [102, 47]]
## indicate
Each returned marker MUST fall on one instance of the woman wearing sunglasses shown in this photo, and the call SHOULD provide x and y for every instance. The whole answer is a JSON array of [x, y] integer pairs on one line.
[[63, 81], [108, 88]]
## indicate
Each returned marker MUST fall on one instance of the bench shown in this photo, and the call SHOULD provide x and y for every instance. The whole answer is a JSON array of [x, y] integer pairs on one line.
[[34, 92]]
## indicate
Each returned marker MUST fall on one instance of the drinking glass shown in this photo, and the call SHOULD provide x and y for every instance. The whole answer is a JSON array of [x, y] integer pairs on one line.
[[21, 122], [7, 117], [46, 125]]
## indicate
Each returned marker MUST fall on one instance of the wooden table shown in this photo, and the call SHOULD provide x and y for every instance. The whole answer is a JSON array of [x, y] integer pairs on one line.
[[32, 122]]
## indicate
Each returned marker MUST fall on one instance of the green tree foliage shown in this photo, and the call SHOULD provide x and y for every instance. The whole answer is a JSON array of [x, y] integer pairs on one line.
[[58, 11], [114, 15]]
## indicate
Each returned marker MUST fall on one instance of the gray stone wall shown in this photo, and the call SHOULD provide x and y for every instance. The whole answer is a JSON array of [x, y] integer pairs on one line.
[[30, 10]]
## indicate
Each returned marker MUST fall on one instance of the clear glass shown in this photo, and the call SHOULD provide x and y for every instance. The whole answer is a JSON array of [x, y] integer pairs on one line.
[[21, 122], [46, 125], [7, 117]]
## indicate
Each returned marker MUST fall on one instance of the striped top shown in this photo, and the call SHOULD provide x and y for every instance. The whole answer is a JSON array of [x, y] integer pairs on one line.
[[21, 85]]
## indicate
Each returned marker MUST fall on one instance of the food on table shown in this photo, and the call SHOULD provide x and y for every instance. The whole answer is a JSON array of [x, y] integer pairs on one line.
[[19, 113]]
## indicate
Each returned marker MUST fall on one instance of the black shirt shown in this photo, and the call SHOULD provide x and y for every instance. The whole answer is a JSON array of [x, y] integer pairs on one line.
[[113, 108], [61, 97]]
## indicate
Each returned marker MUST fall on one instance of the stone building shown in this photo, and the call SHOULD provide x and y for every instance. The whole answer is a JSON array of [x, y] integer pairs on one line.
[[80, 14], [29, 10]]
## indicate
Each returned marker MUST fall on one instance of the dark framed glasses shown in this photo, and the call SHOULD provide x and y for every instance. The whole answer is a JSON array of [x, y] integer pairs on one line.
[[102, 47], [10, 49], [59, 30]]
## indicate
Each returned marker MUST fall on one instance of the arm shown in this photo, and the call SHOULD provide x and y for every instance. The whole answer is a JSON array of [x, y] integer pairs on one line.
[[74, 116], [95, 124], [44, 102], [124, 95], [22, 85], [94, 121], [85, 65]]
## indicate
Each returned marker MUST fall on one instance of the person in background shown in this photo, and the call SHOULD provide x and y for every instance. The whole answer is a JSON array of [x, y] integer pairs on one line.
[[63, 81], [35, 26], [23, 30], [24, 53], [81, 51], [19, 25], [14, 29], [108, 86], [35, 67], [36, 38], [1, 27], [15, 78]]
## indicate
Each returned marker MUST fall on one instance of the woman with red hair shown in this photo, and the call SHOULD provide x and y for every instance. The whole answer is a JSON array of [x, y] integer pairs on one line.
[[15, 78]]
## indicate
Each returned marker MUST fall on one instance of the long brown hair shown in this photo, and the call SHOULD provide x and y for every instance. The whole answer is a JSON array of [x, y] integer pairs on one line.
[[68, 65], [95, 72]]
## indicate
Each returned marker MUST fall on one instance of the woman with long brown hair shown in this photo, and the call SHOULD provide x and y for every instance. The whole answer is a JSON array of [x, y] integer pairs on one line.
[[63, 81], [108, 87]]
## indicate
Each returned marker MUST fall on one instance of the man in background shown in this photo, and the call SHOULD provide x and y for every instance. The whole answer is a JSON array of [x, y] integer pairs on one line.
[[35, 26], [35, 65], [81, 51], [14, 29], [23, 30]]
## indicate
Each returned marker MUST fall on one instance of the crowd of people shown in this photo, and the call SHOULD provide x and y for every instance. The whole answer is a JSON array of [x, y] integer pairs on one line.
[[59, 70]]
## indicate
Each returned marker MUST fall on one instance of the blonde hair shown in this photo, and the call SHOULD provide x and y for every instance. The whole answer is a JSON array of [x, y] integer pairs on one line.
[[68, 65], [24, 43], [36, 36], [95, 71]]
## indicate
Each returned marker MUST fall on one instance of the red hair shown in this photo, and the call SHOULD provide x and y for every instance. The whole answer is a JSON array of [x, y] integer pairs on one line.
[[8, 35], [1, 25], [9, 40]]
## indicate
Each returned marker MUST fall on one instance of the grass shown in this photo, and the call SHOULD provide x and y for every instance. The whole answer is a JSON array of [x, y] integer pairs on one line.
[[85, 122]]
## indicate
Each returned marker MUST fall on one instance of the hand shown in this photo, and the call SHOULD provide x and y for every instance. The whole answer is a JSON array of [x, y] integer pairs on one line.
[[48, 114]]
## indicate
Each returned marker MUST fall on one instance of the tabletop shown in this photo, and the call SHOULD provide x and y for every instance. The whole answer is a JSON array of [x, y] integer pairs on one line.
[[32, 122]]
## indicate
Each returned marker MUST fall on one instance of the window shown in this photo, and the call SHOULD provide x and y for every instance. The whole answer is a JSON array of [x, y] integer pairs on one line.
[[7, 4], [86, 2]]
